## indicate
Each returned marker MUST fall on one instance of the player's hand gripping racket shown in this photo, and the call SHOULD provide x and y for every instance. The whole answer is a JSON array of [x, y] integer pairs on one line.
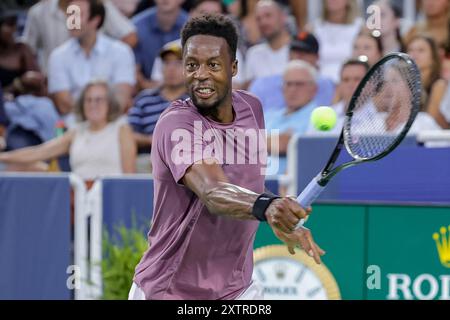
[[379, 116]]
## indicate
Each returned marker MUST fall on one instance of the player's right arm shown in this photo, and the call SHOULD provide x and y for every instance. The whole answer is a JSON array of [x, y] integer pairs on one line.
[[208, 181]]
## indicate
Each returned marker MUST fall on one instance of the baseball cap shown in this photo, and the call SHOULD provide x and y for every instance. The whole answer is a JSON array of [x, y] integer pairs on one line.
[[171, 47], [306, 42]]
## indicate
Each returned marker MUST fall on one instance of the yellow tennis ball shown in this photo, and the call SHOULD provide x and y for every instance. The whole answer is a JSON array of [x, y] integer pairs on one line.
[[323, 118]]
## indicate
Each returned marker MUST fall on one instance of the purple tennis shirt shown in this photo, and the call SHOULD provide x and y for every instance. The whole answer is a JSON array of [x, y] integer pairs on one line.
[[194, 254]]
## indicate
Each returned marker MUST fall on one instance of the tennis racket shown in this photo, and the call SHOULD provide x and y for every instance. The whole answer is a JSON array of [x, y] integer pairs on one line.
[[378, 117]]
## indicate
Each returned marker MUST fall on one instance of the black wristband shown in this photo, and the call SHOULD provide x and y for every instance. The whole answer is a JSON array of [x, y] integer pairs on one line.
[[261, 204]]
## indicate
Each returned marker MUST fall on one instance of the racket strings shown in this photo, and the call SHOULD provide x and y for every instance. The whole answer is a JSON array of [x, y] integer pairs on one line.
[[383, 109]]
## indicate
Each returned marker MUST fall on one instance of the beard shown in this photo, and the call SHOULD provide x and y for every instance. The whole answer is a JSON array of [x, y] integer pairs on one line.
[[209, 108]]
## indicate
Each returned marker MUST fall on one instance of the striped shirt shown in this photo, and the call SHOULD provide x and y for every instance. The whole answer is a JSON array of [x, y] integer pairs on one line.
[[148, 106]]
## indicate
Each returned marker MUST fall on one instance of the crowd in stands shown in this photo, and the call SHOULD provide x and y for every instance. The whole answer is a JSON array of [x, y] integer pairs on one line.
[[110, 72]]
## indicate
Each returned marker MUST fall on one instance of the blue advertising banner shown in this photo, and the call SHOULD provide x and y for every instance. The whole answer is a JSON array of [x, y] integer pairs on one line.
[[35, 244]]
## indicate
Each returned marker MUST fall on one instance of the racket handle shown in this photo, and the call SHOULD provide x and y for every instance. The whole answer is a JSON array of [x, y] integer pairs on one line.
[[308, 196]]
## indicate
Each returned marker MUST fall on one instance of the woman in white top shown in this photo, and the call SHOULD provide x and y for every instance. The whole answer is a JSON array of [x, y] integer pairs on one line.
[[390, 26], [101, 144], [336, 32]]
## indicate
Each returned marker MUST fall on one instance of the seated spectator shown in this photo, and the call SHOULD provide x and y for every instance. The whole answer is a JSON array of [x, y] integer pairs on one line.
[[269, 90], [445, 69], [150, 103], [243, 13], [202, 7], [88, 55], [424, 51], [368, 47], [3, 122], [102, 144], [396, 95], [15, 58], [155, 27], [126, 7], [46, 27], [336, 31], [352, 72], [299, 88], [32, 116], [270, 57], [391, 15], [146, 4], [444, 109], [436, 22]]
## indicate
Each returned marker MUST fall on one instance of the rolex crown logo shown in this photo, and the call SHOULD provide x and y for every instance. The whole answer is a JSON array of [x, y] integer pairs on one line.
[[442, 239]]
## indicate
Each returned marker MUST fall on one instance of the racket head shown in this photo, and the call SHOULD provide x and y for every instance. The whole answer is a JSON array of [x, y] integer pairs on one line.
[[383, 108]]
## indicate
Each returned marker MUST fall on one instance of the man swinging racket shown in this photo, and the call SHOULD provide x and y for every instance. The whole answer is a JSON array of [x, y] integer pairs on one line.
[[207, 204]]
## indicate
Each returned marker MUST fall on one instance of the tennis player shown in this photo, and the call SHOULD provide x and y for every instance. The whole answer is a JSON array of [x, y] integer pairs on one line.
[[207, 207]]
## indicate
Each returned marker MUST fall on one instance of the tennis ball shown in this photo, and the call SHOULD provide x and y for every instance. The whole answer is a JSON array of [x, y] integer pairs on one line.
[[323, 118]]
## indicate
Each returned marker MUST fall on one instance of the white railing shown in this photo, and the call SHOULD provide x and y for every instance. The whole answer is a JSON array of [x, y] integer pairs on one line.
[[80, 237], [88, 206], [439, 136], [94, 208], [87, 239]]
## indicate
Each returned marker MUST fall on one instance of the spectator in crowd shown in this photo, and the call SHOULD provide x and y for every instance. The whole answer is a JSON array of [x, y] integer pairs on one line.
[[101, 144], [368, 47], [146, 4], [46, 27], [299, 89], [352, 72], [391, 15], [150, 103], [3, 122], [31, 114], [243, 13], [126, 7], [396, 95], [202, 7], [336, 31], [436, 22], [88, 55], [304, 46], [445, 69], [270, 57], [425, 53], [155, 27], [444, 109], [15, 58]]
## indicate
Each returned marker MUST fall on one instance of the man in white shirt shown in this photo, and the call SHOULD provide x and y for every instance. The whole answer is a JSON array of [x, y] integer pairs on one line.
[[271, 57], [90, 55], [46, 28]]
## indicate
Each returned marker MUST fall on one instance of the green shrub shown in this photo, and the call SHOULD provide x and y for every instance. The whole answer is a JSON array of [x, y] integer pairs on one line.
[[120, 256]]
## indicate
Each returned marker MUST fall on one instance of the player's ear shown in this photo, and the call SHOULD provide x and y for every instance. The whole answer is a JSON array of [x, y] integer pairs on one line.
[[234, 68]]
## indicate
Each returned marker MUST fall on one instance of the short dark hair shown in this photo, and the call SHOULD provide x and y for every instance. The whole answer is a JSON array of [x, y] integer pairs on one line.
[[212, 25], [96, 8], [355, 62]]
